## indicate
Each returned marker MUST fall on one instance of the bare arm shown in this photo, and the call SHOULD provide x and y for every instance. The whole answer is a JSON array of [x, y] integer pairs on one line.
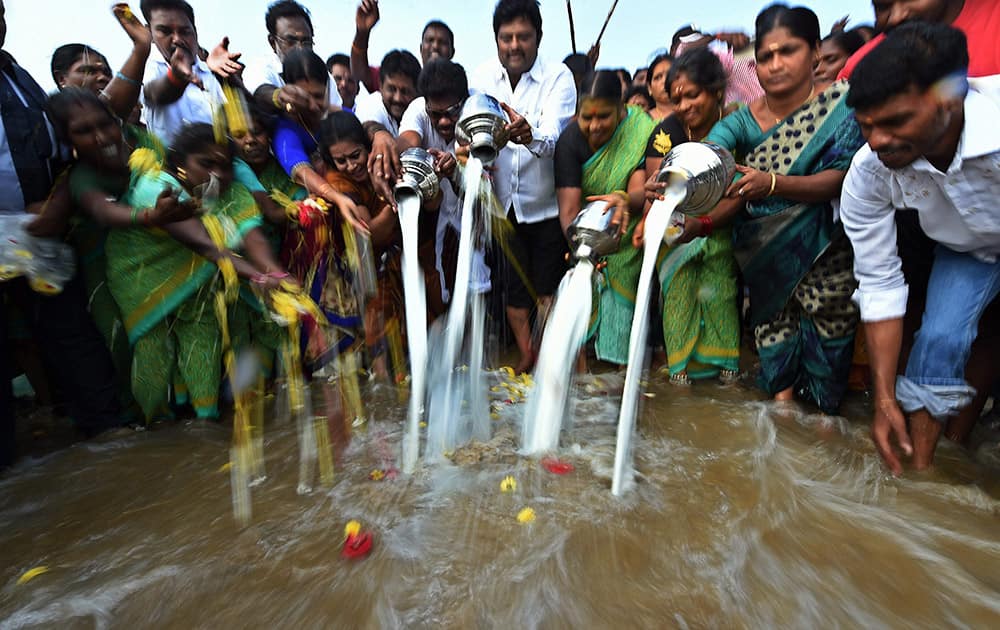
[[107, 211], [570, 204], [258, 250], [170, 87], [365, 19], [192, 234], [822, 186], [884, 340], [272, 212], [123, 93]]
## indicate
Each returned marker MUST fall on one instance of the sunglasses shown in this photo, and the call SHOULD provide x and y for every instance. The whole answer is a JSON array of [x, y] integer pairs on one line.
[[450, 113]]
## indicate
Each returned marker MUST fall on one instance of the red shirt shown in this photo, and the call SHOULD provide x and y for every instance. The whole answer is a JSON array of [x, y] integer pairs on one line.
[[979, 20]]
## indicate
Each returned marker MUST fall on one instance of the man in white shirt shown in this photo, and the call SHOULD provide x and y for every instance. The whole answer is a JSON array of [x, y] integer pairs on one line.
[[398, 77], [179, 87], [540, 100], [429, 123], [933, 148], [288, 27]]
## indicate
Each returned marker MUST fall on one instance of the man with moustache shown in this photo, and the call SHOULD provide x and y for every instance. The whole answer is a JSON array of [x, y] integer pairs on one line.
[[540, 99], [397, 89], [180, 88]]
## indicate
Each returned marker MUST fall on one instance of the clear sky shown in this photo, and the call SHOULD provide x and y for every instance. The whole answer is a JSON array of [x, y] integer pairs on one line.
[[36, 27]]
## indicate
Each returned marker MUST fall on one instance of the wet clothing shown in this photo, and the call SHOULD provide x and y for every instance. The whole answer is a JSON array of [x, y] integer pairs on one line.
[[793, 255]]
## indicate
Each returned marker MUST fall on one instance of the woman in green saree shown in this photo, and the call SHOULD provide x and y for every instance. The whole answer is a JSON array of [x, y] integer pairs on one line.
[[165, 289], [701, 323], [599, 158], [798, 141]]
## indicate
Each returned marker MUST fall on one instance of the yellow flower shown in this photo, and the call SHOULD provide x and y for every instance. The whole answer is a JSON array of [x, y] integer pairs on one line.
[[376, 475], [525, 516], [509, 484], [353, 528]]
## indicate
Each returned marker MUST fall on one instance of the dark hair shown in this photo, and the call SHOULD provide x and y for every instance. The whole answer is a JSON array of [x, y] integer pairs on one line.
[[624, 74], [702, 67], [657, 60], [339, 126], [61, 104], [865, 31], [337, 59], [579, 64], [443, 78], [304, 65], [914, 54], [603, 84], [847, 41], [641, 91], [509, 10], [683, 31], [800, 22], [400, 62], [285, 9], [148, 6], [67, 54], [261, 117], [192, 138], [438, 24]]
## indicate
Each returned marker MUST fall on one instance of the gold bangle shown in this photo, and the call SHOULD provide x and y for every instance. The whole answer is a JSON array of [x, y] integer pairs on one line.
[[274, 98], [621, 194], [774, 182]]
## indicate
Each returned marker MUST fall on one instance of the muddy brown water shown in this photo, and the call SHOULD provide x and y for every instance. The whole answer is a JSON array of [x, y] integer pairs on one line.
[[743, 515]]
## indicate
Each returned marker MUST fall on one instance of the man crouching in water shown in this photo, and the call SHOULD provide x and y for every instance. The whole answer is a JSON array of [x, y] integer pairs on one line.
[[933, 147]]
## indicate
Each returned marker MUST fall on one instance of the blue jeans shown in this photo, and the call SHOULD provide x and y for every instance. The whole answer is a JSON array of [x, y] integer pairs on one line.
[[959, 290]]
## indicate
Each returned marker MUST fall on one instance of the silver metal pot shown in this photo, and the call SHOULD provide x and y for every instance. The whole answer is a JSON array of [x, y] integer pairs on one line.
[[704, 170], [592, 233], [418, 177], [482, 125]]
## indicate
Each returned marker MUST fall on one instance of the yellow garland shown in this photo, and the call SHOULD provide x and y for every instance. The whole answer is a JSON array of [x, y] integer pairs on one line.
[[144, 161]]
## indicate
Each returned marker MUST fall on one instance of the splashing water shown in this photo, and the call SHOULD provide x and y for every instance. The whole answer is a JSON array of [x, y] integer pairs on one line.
[[449, 385], [416, 327], [562, 340], [656, 224]]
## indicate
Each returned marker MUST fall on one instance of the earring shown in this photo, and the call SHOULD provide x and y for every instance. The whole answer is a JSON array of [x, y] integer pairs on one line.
[[74, 153]]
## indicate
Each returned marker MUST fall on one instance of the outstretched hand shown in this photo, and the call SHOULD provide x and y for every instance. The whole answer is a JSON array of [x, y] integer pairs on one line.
[[224, 63]]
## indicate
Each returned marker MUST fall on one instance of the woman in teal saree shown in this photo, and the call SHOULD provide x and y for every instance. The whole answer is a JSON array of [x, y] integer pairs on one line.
[[798, 140]]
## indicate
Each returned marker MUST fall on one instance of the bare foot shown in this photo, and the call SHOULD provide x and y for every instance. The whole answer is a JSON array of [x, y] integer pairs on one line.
[[924, 431]]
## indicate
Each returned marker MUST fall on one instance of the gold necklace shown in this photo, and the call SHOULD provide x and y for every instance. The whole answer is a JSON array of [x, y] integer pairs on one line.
[[691, 137], [812, 92]]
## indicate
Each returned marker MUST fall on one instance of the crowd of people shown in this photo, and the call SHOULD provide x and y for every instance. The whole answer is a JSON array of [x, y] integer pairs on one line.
[[192, 187]]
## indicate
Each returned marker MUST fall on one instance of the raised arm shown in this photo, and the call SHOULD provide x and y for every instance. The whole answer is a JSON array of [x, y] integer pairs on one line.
[[365, 20], [122, 92]]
